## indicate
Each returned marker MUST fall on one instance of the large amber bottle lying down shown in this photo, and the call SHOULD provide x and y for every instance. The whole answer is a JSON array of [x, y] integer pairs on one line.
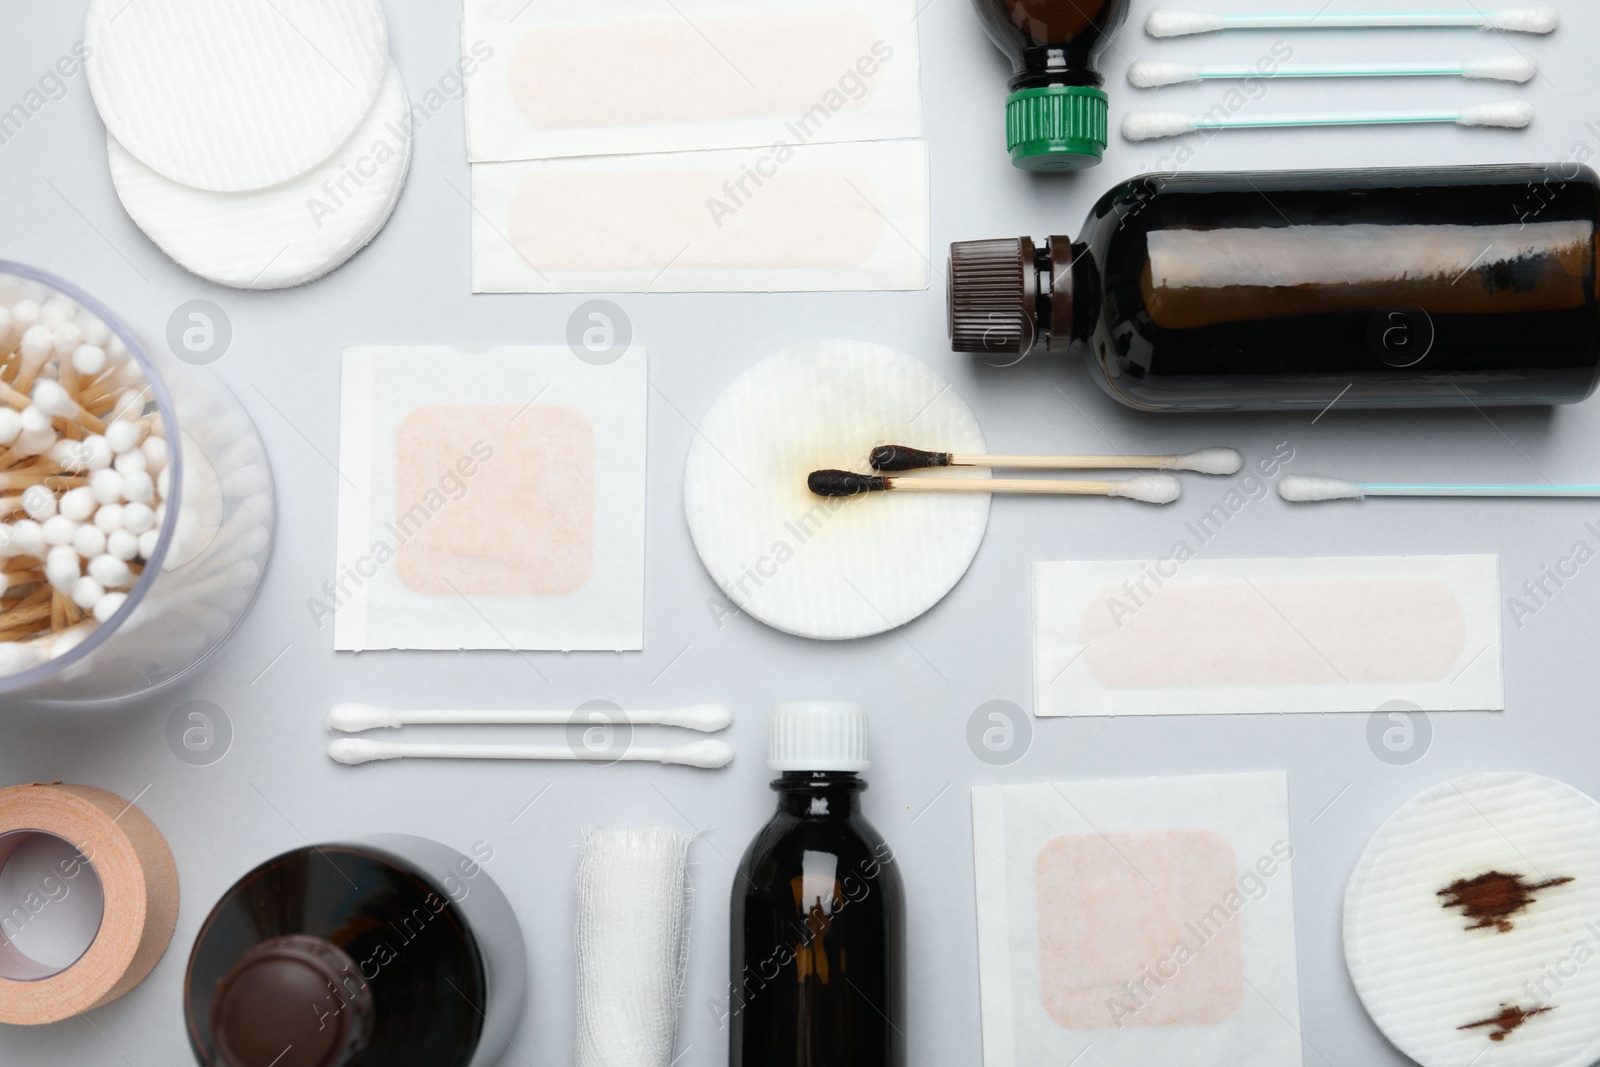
[[1383, 288]]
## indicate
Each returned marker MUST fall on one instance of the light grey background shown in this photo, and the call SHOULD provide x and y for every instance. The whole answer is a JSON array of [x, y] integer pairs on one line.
[[275, 790]]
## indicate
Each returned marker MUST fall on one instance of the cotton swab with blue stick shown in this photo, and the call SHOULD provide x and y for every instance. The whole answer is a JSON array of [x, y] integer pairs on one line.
[[1171, 23], [1152, 125], [1154, 73], [1311, 489]]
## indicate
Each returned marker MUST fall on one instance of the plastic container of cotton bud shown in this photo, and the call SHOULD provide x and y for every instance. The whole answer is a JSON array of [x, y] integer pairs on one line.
[[136, 502]]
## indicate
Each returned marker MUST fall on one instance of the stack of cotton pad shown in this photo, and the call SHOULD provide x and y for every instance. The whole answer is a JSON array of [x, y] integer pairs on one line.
[[831, 567], [259, 143], [1470, 924]]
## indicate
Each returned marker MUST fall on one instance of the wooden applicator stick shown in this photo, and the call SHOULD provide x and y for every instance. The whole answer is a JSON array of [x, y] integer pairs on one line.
[[1205, 461], [1150, 489]]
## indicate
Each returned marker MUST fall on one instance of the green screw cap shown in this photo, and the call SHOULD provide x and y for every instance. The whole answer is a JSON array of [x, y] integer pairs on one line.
[[1059, 127]]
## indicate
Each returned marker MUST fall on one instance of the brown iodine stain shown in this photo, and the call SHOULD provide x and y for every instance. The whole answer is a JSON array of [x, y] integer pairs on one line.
[[1491, 899], [1509, 1019]]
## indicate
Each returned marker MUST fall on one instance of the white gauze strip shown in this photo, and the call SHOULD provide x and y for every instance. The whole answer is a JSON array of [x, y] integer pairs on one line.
[[633, 937], [776, 219], [626, 76], [1193, 636]]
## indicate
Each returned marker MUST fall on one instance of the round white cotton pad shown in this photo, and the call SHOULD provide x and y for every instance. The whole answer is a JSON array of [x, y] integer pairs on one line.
[[837, 567], [291, 233], [232, 95], [1472, 924]]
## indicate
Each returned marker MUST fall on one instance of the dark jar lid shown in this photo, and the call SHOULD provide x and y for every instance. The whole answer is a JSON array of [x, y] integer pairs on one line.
[[294, 1001], [1005, 297]]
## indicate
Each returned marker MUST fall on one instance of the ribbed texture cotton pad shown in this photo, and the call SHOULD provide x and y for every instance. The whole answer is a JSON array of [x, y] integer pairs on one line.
[[1475, 912], [291, 233], [633, 927], [831, 567], [232, 95]]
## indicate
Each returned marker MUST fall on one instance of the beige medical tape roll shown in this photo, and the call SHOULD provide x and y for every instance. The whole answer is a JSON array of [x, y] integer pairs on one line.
[[136, 877]]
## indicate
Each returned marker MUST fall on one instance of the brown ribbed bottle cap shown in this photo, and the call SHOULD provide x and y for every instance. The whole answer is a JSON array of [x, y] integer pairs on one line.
[[294, 1001], [992, 297]]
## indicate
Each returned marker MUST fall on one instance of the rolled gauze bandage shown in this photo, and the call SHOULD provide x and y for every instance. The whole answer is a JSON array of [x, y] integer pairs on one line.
[[633, 922]]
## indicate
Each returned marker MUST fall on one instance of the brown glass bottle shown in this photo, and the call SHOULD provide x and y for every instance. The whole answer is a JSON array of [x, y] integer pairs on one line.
[[1056, 114], [817, 953], [1382, 288], [352, 956]]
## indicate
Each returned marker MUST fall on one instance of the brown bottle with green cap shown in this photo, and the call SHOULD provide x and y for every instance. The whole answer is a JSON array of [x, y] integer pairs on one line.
[[1056, 115], [1439, 287]]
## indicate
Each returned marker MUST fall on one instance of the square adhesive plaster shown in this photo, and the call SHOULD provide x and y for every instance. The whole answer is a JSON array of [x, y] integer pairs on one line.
[[491, 498]]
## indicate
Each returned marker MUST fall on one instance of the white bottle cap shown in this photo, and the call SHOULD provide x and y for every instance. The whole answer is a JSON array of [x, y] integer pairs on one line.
[[818, 735]]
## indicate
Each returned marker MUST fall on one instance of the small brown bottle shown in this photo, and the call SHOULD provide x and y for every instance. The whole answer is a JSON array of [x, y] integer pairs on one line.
[[818, 916], [1056, 115]]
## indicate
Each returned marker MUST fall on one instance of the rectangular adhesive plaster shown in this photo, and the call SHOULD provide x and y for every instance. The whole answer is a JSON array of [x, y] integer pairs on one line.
[[1199, 636], [490, 498], [609, 77], [1150, 921], [818, 217]]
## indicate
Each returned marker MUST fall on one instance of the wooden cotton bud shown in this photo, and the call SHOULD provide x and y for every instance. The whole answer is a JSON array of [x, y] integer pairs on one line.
[[137, 517], [98, 451], [52, 398], [67, 338], [86, 593], [71, 456], [61, 568], [39, 502], [123, 436], [109, 606], [130, 462], [88, 360], [24, 315], [58, 530], [77, 504], [37, 344], [33, 442], [67, 640], [16, 657], [111, 572], [27, 539], [57, 311], [156, 455], [138, 488], [122, 544], [95, 331], [106, 485], [10, 425], [147, 543], [108, 518], [89, 541]]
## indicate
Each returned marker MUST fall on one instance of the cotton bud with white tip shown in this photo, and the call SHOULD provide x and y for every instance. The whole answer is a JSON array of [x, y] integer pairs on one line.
[[68, 640], [33, 442], [53, 399], [71, 456], [37, 344], [707, 718], [88, 541], [156, 454], [57, 311], [164, 483], [68, 337], [10, 425], [130, 462], [1210, 461], [86, 593], [147, 543], [59, 530], [108, 606], [117, 350], [24, 315], [123, 435], [707, 755], [62, 569], [95, 331], [122, 544], [88, 360], [16, 657], [1149, 489], [77, 504], [35, 419], [108, 518], [353, 718], [111, 572], [137, 517], [28, 538], [39, 502], [106, 485], [1310, 488]]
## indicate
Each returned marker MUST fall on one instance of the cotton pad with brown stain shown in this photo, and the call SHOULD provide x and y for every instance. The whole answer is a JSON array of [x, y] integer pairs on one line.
[[1492, 899], [1508, 1021]]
